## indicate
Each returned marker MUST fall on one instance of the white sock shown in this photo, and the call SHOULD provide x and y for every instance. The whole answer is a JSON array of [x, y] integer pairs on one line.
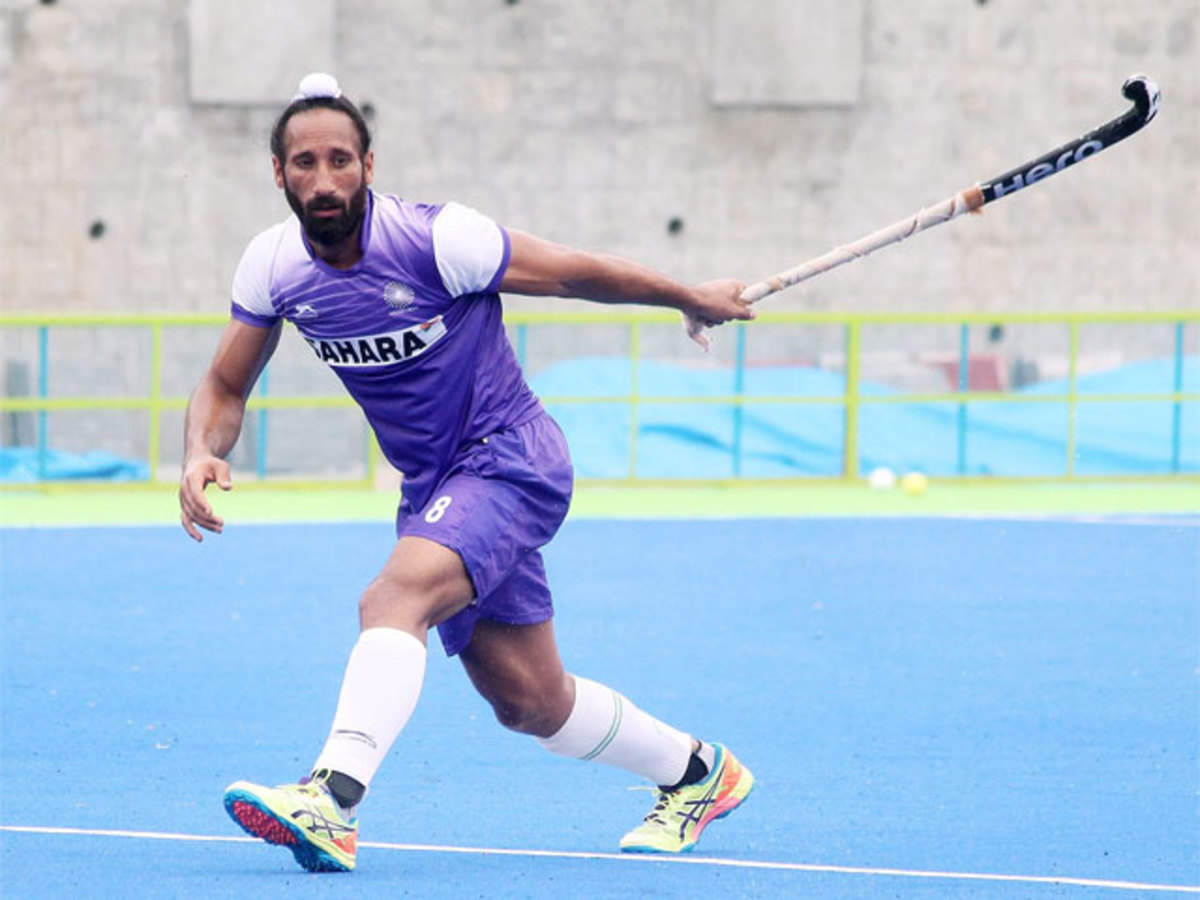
[[379, 692], [606, 727]]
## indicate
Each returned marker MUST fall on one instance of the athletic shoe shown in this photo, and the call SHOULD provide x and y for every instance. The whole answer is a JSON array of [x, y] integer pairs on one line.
[[302, 817], [678, 817]]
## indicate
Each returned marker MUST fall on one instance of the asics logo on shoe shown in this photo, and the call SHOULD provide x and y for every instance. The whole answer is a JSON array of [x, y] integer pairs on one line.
[[318, 823], [698, 808]]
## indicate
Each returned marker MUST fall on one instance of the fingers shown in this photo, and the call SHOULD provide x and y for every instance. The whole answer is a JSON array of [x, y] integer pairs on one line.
[[721, 301], [696, 331], [195, 509], [196, 512], [717, 302], [190, 528], [744, 309]]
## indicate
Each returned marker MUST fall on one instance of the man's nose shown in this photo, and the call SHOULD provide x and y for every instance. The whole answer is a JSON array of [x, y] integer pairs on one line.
[[323, 183]]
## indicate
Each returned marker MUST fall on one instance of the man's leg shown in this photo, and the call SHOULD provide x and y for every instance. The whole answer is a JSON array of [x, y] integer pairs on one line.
[[518, 670], [421, 584]]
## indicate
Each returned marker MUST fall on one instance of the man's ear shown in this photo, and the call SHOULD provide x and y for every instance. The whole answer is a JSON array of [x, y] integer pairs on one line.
[[368, 167], [278, 167]]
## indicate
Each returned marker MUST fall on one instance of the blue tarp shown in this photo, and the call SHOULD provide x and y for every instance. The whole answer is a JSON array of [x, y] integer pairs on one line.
[[21, 464], [999, 438]]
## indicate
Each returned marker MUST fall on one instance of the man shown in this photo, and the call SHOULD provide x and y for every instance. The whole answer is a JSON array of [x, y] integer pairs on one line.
[[401, 300]]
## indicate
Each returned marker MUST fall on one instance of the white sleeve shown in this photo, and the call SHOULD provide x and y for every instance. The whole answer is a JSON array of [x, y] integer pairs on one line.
[[470, 249], [251, 281]]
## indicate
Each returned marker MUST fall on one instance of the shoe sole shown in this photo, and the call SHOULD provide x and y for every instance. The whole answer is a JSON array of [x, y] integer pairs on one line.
[[260, 822], [688, 848]]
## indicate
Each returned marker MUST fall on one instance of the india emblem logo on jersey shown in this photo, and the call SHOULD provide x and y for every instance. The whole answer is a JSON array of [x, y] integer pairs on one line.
[[398, 296]]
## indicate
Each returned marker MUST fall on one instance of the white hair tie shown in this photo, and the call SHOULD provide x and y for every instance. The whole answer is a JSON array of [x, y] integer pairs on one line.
[[317, 84]]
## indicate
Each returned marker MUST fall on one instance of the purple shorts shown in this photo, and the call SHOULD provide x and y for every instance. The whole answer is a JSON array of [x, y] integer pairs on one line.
[[501, 499]]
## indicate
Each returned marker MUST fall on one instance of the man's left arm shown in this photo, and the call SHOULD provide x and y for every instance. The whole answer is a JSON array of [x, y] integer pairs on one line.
[[539, 267]]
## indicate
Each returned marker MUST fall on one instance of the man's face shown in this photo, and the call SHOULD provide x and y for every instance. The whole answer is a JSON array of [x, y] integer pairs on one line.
[[324, 176]]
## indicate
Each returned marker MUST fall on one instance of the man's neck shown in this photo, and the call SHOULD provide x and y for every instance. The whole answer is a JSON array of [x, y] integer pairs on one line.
[[342, 255]]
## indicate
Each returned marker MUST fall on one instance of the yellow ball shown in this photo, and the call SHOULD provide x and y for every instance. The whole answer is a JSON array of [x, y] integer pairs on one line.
[[914, 483]]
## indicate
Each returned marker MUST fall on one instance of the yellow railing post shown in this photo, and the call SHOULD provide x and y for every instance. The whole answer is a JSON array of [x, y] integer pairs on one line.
[[635, 355], [1072, 393], [156, 333], [373, 453], [850, 410], [43, 392]]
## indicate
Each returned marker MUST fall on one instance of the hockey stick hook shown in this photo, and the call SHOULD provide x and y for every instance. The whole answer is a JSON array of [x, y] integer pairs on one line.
[[1145, 96]]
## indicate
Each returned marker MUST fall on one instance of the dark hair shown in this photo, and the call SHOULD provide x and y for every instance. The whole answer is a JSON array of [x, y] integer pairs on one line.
[[304, 104]]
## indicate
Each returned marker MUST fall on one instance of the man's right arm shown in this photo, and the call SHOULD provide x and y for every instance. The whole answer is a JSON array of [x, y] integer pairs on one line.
[[214, 419]]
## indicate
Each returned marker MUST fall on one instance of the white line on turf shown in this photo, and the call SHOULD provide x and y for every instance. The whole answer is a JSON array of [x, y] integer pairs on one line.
[[1171, 520], [640, 858], [1179, 520]]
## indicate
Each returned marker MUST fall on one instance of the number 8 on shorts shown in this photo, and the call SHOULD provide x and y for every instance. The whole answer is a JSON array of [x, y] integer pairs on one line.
[[438, 509]]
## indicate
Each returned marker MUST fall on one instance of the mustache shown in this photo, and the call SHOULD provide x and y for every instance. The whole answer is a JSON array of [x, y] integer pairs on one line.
[[325, 203]]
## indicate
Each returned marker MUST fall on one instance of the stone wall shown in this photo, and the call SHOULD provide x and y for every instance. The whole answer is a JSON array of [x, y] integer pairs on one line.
[[595, 124]]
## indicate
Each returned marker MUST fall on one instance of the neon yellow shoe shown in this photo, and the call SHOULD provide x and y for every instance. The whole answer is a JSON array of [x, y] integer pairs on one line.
[[302, 817], [678, 817]]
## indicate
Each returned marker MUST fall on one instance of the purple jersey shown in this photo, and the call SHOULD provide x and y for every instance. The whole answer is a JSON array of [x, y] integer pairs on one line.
[[413, 329]]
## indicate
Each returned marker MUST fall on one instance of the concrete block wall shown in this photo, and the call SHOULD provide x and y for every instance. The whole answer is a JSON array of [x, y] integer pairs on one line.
[[596, 124], [593, 124]]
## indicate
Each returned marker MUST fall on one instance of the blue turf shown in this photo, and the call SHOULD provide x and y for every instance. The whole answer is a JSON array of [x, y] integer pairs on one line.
[[983, 696]]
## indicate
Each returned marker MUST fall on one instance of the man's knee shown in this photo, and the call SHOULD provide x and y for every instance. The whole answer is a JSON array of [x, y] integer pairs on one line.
[[383, 596], [401, 600], [422, 583], [536, 709]]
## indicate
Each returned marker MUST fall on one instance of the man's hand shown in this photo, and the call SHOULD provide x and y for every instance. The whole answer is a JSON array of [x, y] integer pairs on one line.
[[198, 474], [715, 302]]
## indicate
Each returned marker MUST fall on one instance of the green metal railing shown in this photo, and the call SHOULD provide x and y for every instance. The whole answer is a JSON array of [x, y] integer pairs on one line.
[[850, 399]]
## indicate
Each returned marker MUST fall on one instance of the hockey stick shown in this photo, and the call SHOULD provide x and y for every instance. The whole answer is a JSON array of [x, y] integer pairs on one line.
[[1141, 90]]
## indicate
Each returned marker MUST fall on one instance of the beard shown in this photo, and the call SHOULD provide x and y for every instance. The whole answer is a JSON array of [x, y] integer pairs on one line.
[[329, 230]]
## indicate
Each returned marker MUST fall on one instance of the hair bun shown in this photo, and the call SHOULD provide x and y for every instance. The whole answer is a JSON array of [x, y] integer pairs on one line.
[[317, 84]]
